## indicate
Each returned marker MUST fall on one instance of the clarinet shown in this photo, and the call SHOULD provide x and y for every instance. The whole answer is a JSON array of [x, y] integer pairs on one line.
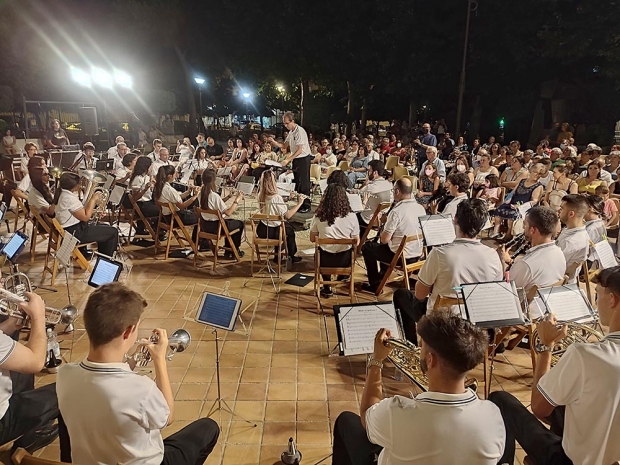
[[382, 224]]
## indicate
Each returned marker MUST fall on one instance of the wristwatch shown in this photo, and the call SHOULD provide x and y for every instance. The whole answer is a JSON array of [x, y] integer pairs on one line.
[[373, 362], [542, 348]]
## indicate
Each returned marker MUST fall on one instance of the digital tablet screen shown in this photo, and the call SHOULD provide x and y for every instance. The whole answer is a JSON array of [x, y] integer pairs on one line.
[[105, 271], [2, 210], [218, 311], [15, 245]]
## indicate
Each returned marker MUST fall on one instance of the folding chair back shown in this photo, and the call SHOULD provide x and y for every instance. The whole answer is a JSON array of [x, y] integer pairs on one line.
[[214, 238], [315, 172], [400, 172], [138, 211], [414, 182], [320, 270], [343, 165], [373, 223], [406, 268], [20, 212], [330, 170], [392, 162], [40, 227], [172, 226], [269, 244]]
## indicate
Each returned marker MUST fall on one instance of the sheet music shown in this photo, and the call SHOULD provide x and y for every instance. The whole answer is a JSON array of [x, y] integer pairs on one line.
[[64, 252], [117, 194], [109, 180], [568, 302], [218, 182], [269, 162], [246, 187], [523, 208], [438, 229], [359, 325], [286, 186], [223, 172], [605, 254], [494, 301], [356, 202]]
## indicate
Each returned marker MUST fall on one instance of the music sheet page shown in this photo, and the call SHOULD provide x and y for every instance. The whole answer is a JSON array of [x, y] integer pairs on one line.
[[492, 302], [438, 229], [567, 302], [356, 202], [245, 187], [64, 252], [605, 254], [359, 326]]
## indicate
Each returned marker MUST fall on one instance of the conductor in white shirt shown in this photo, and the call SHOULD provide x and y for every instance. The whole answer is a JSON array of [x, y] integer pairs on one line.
[[579, 397], [449, 424]]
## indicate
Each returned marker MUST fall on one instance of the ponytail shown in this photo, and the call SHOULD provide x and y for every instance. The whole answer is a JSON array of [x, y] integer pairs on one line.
[[161, 179]]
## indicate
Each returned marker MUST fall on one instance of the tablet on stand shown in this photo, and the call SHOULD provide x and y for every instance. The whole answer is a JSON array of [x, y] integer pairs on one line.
[[105, 271]]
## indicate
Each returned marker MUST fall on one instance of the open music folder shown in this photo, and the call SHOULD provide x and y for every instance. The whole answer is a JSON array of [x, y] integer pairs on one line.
[[567, 302], [492, 304], [437, 229]]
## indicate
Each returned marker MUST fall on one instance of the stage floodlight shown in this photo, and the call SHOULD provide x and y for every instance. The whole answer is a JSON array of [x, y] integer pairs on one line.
[[123, 79], [101, 77], [81, 77]]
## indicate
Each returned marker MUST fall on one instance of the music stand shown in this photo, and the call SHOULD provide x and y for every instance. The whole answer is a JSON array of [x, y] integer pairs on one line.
[[219, 312], [437, 229], [105, 271]]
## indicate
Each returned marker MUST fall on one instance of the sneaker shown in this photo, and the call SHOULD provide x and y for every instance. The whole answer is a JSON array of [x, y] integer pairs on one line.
[[326, 292]]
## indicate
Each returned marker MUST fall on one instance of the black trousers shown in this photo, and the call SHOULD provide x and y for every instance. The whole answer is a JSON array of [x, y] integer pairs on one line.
[[351, 444], [301, 173], [7, 197], [149, 210], [272, 232], [335, 260], [543, 446], [411, 310], [29, 410], [373, 252], [189, 446], [105, 236], [211, 227]]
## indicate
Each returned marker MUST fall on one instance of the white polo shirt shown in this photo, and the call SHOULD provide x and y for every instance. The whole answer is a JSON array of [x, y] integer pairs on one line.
[[25, 184], [346, 227], [597, 232], [380, 191], [587, 381], [7, 346], [296, 138], [129, 409], [169, 194], [274, 205], [68, 204], [215, 202], [403, 221], [437, 429], [83, 164], [121, 171], [541, 266], [139, 183], [373, 155], [462, 262], [37, 201], [575, 244], [453, 204], [153, 156], [547, 179], [156, 164]]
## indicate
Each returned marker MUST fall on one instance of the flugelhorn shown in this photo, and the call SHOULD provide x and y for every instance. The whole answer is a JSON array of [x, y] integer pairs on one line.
[[13, 293], [177, 342]]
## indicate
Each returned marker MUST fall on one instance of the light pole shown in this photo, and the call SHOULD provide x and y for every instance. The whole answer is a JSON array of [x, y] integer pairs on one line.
[[281, 90], [246, 96], [200, 81], [472, 5]]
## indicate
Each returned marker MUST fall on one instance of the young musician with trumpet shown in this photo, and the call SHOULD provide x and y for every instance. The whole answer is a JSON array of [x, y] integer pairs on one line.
[[163, 192], [112, 414], [579, 397]]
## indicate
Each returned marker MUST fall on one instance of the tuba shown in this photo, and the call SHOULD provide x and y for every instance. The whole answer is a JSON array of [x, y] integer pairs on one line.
[[577, 332], [92, 182], [12, 293], [177, 342]]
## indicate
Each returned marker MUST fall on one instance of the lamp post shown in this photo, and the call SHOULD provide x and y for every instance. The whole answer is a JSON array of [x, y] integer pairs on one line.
[[246, 96], [281, 90], [200, 81]]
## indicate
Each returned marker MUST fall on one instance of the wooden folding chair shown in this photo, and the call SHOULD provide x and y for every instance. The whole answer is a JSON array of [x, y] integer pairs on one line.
[[57, 232], [214, 238], [172, 227], [346, 270], [270, 245], [22, 457], [20, 211], [373, 224], [404, 267], [40, 228], [136, 210]]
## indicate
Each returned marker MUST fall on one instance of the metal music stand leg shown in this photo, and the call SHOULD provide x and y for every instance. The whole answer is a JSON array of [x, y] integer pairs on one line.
[[219, 402]]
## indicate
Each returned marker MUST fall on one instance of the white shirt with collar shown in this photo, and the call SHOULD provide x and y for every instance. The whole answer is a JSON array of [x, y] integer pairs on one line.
[[587, 381], [7, 346], [139, 183], [346, 227], [547, 179], [83, 164], [274, 205], [129, 407], [464, 261], [214, 202], [373, 155], [425, 430], [25, 184], [575, 244], [605, 176], [441, 168], [121, 172], [403, 221], [68, 204], [380, 190], [157, 164], [37, 201], [296, 138], [153, 156], [453, 204], [112, 152], [542, 266], [169, 194]]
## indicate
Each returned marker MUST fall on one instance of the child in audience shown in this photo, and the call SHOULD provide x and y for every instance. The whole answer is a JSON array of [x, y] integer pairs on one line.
[[610, 209], [490, 192]]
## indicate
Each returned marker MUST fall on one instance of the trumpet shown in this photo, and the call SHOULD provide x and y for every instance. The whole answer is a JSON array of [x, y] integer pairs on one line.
[[177, 342], [13, 293]]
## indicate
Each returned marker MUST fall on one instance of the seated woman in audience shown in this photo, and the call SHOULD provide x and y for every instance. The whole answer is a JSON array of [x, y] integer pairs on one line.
[[495, 152], [334, 220], [210, 200], [39, 196], [141, 187], [483, 171], [266, 154], [254, 154], [358, 166], [559, 187], [272, 203], [73, 216], [164, 193], [238, 159], [514, 174], [592, 180], [490, 192], [462, 166], [429, 184], [610, 208], [528, 190]]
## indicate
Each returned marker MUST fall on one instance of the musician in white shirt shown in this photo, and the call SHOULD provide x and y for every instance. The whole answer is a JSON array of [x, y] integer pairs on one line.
[[272, 203], [375, 191], [164, 193], [574, 240], [123, 172], [89, 161], [194, 167], [114, 415], [112, 151], [24, 186], [334, 219], [141, 187], [210, 200], [157, 145], [39, 196], [403, 220], [449, 424], [162, 160], [579, 397]]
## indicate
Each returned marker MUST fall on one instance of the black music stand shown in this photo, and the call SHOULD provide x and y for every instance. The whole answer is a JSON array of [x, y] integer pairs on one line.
[[437, 229], [219, 312]]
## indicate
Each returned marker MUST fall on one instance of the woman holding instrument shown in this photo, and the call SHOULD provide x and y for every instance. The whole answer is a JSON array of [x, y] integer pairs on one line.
[[164, 193]]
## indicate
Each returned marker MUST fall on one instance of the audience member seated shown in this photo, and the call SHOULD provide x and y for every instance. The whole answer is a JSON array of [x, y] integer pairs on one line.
[[588, 184], [449, 424], [514, 174], [431, 155], [559, 187], [461, 165], [95, 393], [610, 209], [429, 185], [579, 397], [40, 197], [490, 191], [358, 167], [334, 220]]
